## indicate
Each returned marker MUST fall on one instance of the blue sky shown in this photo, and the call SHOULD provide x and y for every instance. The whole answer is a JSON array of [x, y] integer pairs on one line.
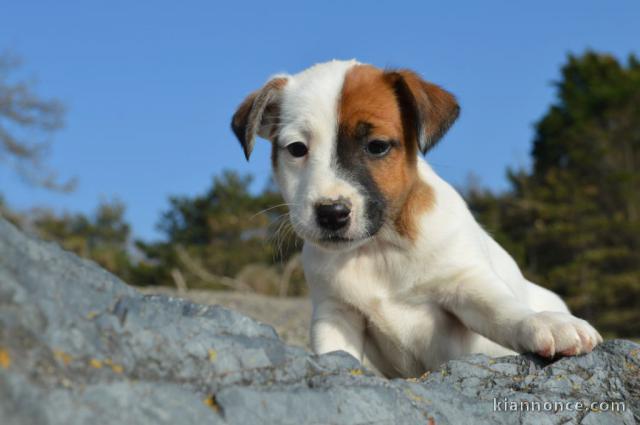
[[150, 86]]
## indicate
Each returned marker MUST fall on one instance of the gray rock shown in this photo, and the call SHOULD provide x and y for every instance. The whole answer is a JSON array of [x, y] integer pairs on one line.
[[78, 346]]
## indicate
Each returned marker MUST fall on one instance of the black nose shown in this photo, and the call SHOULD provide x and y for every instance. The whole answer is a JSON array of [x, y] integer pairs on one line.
[[332, 216]]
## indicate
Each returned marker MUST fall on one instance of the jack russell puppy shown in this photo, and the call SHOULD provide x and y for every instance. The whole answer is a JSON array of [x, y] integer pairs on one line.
[[401, 275]]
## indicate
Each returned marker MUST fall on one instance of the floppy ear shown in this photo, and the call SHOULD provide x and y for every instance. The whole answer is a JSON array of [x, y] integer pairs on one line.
[[258, 114], [428, 110]]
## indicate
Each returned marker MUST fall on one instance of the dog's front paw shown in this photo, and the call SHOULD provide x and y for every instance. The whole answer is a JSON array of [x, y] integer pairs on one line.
[[551, 333]]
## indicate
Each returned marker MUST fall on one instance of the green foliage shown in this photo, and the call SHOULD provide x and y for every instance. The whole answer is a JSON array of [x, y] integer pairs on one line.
[[574, 220], [215, 236], [226, 238], [102, 237]]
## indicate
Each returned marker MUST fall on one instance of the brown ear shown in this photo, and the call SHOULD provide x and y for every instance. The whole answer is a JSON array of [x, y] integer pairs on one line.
[[258, 114], [428, 109]]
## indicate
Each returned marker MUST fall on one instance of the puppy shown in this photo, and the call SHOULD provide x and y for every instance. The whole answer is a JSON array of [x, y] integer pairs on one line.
[[401, 275]]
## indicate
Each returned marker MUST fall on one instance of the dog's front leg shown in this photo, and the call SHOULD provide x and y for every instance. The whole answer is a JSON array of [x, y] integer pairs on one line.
[[486, 305], [337, 326]]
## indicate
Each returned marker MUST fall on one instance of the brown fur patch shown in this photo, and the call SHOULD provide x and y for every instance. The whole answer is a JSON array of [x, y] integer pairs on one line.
[[438, 109], [258, 114], [420, 199], [369, 110]]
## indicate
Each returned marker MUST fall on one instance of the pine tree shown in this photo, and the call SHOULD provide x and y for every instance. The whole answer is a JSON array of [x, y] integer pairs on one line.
[[575, 218]]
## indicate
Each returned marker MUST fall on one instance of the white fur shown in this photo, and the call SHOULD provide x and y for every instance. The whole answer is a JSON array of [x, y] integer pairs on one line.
[[309, 115], [403, 307]]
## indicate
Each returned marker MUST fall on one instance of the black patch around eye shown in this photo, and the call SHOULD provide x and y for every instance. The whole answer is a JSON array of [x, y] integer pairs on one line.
[[378, 148], [352, 163], [297, 149]]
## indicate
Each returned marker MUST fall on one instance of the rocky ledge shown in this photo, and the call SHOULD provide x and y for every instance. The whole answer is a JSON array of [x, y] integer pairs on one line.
[[78, 346]]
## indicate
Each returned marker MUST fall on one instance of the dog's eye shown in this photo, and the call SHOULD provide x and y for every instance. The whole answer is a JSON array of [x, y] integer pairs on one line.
[[378, 147], [297, 149]]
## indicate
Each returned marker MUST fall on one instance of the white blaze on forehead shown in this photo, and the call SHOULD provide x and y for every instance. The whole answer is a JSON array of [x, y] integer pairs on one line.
[[310, 99], [309, 113]]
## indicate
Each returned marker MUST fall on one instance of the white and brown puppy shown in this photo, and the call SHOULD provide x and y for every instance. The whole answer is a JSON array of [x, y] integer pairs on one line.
[[401, 275]]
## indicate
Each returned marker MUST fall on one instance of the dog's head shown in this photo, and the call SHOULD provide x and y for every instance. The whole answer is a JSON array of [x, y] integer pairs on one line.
[[345, 138]]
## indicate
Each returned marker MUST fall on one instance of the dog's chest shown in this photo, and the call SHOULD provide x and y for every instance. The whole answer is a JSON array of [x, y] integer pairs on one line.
[[367, 281], [383, 289], [410, 328]]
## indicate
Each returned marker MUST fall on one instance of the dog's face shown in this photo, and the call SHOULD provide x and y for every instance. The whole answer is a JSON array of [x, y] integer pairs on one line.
[[345, 139]]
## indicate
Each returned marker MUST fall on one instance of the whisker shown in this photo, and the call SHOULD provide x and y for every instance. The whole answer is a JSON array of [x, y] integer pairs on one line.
[[270, 208]]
